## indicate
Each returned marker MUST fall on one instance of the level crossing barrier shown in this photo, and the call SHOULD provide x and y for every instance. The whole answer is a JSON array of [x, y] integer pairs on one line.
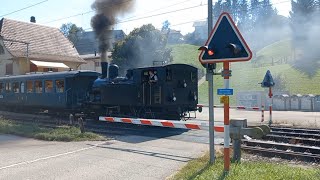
[[162, 123]]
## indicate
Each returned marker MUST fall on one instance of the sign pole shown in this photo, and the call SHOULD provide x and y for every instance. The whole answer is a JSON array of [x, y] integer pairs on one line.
[[226, 73], [210, 91], [270, 105]]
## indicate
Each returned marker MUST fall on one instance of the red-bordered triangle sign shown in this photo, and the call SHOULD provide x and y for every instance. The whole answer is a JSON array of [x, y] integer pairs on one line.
[[225, 43]]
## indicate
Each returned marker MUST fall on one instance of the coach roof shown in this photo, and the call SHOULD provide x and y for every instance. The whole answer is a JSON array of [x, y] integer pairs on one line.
[[50, 75]]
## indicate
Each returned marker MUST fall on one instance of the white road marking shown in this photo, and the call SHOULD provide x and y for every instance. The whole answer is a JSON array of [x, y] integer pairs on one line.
[[50, 157]]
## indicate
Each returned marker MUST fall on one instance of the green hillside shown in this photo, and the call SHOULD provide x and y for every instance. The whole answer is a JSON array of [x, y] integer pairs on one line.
[[247, 75]]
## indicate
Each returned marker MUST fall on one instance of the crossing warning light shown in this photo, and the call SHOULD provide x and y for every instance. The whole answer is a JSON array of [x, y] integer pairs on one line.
[[225, 43]]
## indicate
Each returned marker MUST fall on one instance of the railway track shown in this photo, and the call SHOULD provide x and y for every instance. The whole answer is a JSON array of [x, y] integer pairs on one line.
[[287, 143], [108, 129]]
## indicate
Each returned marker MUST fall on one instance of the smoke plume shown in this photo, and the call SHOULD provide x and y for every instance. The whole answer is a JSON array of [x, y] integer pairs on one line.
[[102, 23]]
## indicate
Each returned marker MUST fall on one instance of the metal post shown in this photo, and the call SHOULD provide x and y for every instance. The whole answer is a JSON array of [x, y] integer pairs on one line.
[[209, 17], [262, 112], [211, 115], [226, 120], [211, 97], [270, 105]]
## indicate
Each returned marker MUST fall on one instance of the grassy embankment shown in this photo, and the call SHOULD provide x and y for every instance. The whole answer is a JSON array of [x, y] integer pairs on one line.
[[200, 169], [247, 75], [64, 133]]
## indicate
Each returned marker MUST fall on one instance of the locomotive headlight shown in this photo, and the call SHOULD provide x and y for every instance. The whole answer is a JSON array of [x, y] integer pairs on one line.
[[174, 98], [184, 84]]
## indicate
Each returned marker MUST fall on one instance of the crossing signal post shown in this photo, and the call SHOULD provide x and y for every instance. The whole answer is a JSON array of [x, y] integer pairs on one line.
[[225, 44], [268, 83]]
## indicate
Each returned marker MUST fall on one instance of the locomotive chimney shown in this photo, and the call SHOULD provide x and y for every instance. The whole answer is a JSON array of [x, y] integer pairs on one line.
[[104, 65], [102, 23], [32, 19]]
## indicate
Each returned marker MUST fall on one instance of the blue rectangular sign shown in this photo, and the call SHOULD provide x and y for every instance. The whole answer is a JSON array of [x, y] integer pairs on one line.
[[225, 91]]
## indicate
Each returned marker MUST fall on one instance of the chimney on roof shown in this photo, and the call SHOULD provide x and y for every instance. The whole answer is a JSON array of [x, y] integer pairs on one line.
[[32, 19]]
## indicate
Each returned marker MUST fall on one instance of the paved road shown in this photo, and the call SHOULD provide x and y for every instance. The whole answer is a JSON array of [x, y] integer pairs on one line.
[[128, 157], [143, 153]]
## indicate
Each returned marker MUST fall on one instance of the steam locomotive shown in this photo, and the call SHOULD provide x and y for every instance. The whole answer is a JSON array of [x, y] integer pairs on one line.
[[166, 92]]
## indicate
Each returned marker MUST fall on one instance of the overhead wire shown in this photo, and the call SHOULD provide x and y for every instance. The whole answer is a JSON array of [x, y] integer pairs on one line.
[[85, 29], [24, 8]]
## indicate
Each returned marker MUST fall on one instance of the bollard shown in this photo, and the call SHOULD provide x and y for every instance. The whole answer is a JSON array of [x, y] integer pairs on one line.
[[71, 119], [238, 128], [81, 124], [235, 134]]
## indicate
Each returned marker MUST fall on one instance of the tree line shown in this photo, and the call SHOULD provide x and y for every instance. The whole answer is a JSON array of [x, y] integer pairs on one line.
[[258, 20]]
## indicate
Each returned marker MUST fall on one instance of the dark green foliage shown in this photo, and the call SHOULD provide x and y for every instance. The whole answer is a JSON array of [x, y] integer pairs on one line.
[[64, 133], [142, 47], [71, 31]]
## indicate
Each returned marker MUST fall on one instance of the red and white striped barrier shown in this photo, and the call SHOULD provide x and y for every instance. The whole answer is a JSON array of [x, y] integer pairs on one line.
[[247, 108], [234, 107], [161, 123]]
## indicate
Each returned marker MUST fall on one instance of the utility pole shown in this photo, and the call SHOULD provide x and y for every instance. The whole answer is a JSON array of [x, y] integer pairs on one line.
[[210, 91]]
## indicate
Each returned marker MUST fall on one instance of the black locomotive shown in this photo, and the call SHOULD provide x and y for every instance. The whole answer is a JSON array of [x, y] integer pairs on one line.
[[169, 91]]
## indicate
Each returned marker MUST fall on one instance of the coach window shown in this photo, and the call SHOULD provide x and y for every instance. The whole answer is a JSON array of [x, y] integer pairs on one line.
[[1, 88], [29, 87], [8, 87], [22, 87], [60, 86], [48, 86], [15, 87], [38, 86]]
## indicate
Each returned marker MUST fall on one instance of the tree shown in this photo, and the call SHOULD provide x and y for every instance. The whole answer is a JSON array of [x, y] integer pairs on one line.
[[165, 26], [142, 47], [304, 17], [280, 82], [72, 32]]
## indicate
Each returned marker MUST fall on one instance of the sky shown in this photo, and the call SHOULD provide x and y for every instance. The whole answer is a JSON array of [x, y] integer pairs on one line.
[[180, 13]]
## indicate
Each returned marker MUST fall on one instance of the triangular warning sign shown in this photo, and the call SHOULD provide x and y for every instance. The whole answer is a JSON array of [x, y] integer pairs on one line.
[[267, 80], [225, 43]]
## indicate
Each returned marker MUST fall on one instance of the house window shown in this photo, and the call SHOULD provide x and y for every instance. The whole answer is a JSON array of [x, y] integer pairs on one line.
[[50, 69], [1, 49], [29, 87], [48, 84], [33, 68], [15, 87], [9, 69], [38, 86], [59, 86]]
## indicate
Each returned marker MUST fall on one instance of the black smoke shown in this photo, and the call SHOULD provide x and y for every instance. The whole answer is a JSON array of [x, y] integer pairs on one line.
[[102, 23]]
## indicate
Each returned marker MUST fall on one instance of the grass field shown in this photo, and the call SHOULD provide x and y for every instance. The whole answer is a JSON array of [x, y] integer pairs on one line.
[[64, 133], [246, 76], [200, 169]]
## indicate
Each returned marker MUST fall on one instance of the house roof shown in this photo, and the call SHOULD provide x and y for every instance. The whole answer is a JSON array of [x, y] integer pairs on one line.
[[45, 43], [89, 44]]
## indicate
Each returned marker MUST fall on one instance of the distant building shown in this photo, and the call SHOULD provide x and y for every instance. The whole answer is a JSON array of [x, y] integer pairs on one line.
[[200, 30], [174, 36], [88, 48], [29, 47]]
